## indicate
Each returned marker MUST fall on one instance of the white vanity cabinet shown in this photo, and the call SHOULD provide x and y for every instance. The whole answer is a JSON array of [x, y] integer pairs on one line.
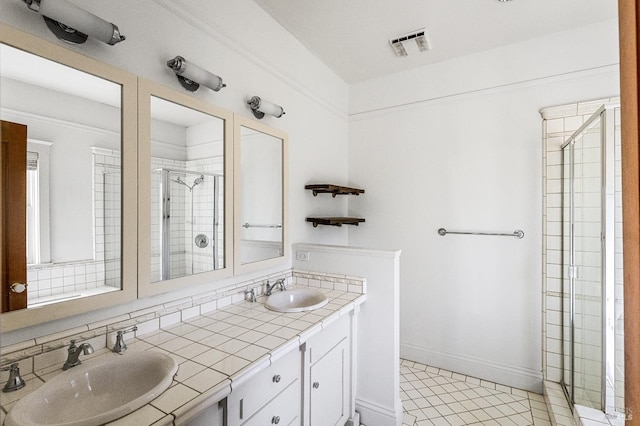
[[273, 396], [309, 386], [327, 389]]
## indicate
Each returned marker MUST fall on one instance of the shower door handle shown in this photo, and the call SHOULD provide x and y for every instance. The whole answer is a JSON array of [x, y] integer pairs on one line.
[[573, 272]]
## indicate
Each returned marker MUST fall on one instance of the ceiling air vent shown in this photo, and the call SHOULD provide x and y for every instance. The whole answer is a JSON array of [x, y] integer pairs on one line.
[[403, 44]]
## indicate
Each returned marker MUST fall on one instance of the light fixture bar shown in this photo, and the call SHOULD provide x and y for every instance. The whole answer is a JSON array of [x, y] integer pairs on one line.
[[260, 107], [192, 76], [73, 24]]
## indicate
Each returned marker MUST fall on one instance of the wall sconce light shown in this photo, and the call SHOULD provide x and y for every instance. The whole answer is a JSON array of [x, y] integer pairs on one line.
[[260, 107], [192, 76], [74, 25]]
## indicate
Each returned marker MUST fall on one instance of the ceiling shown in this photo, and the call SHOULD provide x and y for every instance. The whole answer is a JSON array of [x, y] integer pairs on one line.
[[352, 36]]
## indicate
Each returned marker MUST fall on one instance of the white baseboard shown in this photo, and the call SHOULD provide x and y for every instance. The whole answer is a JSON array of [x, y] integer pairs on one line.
[[372, 414], [520, 378]]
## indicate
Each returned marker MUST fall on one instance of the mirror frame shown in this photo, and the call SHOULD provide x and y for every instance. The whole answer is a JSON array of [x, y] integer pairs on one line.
[[31, 316], [146, 89], [238, 122]]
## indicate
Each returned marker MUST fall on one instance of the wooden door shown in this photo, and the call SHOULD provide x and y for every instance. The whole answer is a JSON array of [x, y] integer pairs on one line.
[[13, 212], [629, 16]]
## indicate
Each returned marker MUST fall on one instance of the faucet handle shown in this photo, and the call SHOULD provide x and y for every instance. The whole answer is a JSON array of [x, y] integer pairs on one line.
[[282, 284], [15, 382], [250, 293], [120, 345], [128, 330]]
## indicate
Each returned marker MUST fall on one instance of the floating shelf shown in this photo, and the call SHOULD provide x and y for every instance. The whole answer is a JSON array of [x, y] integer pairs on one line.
[[334, 190], [334, 221]]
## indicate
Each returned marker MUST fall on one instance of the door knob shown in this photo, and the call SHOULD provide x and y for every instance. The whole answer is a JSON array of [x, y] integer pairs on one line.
[[17, 287]]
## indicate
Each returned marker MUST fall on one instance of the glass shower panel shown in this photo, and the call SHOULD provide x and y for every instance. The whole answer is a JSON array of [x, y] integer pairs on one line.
[[179, 210], [185, 222], [587, 266], [567, 261], [618, 403], [592, 303]]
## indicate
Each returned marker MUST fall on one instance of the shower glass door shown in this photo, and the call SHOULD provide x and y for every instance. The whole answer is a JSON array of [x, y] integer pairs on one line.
[[589, 263], [185, 221], [587, 266]]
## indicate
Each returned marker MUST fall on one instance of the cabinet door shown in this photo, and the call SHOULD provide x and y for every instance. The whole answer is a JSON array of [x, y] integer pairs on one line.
[[328, 386]]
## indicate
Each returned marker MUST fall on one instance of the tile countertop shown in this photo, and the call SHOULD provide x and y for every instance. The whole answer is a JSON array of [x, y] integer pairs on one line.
[[216, 351]]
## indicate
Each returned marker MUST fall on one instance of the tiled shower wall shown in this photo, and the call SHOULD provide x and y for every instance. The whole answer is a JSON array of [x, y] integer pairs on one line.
[[203, 209], [559, 124], [56, 279], [108, 217]]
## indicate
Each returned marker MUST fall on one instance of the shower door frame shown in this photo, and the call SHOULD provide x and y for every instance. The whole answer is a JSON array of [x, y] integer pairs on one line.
[[607, 239]]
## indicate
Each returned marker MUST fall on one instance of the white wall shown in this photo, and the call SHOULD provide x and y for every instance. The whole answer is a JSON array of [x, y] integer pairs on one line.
[[459, 145], [377, 358]]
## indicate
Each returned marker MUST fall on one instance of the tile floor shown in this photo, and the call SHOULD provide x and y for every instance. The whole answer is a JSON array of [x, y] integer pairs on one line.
[[431, 396]]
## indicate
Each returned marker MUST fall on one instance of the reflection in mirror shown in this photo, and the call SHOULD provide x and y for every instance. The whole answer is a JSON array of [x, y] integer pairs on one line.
[[73, 239], [261, 196], [187, 191]]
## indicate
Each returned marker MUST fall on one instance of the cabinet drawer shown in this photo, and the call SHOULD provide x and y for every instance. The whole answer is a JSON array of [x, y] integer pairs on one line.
[[243, 402], [283, 410]]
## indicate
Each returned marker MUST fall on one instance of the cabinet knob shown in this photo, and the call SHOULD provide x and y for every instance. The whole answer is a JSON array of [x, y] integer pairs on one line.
[[275, 420], [316, 385], [276, 378]]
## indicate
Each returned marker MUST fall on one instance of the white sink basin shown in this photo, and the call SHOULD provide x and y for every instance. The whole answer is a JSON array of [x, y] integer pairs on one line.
[[96, 392], [298, 300]]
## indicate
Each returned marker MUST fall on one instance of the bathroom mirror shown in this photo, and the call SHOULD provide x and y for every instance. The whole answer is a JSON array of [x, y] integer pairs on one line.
[[185, 154], [260, 195], [80, 120]]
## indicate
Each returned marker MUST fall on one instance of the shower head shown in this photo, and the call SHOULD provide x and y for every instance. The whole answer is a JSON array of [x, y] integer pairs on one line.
[[198, 181]]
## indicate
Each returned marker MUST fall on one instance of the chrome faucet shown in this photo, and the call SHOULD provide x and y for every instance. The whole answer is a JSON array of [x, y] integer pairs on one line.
[[15, 382], [269, 287], [120, 345], [74, 351]]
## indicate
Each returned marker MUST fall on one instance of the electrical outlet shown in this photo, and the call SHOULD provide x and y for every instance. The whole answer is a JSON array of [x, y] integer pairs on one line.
[[302, 256]]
